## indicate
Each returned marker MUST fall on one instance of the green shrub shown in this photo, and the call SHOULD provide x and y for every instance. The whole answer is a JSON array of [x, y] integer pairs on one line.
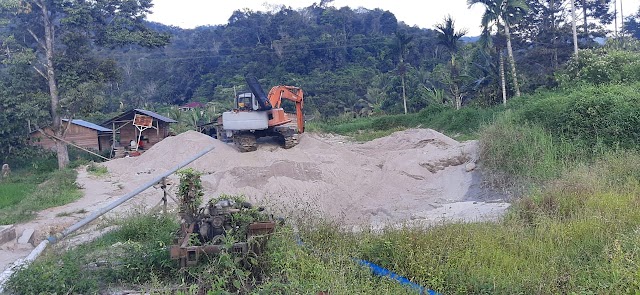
[[600, 66], [595, 116], [465, 122]]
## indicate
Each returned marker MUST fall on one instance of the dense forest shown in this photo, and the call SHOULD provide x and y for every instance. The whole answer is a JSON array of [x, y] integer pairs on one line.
[[349, 61]]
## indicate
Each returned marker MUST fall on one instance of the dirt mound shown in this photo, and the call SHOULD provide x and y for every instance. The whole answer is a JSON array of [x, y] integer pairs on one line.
[[411, 139], [387, 179]]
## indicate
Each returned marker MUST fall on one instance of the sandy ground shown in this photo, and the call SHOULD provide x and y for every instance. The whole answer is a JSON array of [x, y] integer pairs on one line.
[[415, 177]]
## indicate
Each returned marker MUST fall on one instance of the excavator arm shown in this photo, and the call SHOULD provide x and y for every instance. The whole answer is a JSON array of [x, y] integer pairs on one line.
[[292, 93]]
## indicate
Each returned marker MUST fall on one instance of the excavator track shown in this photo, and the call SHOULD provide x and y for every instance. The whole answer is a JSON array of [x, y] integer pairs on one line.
[[290, 141], [245, 142]]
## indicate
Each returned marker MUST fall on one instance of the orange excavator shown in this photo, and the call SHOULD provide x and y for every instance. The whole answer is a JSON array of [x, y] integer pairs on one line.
[[257, 114]]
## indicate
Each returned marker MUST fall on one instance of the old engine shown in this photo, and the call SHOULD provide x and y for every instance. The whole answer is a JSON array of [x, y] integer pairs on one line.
[[224, 224]]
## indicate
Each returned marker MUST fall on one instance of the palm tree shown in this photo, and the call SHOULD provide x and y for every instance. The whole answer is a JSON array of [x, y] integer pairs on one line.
[[573, 25], [403, 40], [449, 38], [503, 13], [486, 42]]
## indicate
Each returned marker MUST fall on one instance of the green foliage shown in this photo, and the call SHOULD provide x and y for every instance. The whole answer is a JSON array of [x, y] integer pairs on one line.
[[32, 160], [13, 192], [324, 263], [576, 235], [596, 116], [48, 190], [525, 150], [598, 67], [134, 253], [190, 191]]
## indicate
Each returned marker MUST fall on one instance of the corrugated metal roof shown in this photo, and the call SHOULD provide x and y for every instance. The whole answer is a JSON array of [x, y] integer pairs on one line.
[[157, 116], [89, 125]]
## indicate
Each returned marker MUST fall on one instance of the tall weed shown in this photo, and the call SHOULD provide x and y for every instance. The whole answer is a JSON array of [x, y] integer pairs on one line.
[[524, 153]]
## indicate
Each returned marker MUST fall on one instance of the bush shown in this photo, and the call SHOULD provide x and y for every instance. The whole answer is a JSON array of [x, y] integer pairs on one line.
[[600, 66], [597, 116]]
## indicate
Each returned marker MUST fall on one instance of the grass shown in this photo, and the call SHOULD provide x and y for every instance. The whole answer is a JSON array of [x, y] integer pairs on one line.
[[97, 170], [134, 253], [54, 189], [79, 211], [462, 124], [13, 192]]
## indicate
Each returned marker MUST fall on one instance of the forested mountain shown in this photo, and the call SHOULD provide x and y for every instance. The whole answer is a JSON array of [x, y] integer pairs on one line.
[[338, 56], [343, 58]]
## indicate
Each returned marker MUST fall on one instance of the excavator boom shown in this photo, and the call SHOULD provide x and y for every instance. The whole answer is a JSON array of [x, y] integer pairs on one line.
[[292, 93]]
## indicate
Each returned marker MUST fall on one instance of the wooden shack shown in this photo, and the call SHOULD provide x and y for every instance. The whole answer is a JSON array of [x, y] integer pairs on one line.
[[81, 133], [138, 124]]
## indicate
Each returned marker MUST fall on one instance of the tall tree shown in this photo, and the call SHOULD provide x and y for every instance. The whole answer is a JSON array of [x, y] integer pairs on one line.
[[403, 41], [632, 25], [597, 10], [573, 26], [486, 43], [449, 38], [505, 13], [48, 28]]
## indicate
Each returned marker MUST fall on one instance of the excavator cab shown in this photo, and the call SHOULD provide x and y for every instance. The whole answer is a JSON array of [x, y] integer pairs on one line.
[[247, 102]]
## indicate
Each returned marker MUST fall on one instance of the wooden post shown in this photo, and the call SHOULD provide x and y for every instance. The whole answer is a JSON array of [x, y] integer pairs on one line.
[[164, 195]]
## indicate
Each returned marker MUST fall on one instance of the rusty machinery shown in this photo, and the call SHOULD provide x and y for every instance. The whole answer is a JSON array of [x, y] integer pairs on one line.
[[205, 230]]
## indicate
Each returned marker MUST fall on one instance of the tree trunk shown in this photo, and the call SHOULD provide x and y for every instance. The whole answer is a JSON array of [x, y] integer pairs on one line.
[[555, 33], [404, 95], [615, 18], [503, 80], [49, 35], [512, 61], [584, 16], [573, 27], [622, 25]]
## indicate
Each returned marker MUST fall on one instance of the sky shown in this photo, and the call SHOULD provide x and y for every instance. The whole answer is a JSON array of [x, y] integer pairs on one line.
[[424, 14]]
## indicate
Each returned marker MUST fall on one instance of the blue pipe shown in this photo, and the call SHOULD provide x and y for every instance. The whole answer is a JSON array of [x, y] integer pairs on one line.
[[383, 272]]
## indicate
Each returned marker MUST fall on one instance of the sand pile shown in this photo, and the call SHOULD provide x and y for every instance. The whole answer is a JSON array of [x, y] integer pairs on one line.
[[391, 179]]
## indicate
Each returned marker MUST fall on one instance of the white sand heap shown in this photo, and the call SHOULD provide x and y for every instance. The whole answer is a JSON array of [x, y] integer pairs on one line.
[[397, 178]]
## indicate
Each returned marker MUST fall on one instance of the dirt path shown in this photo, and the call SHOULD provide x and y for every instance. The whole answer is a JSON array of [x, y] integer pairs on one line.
[[416, 176]]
